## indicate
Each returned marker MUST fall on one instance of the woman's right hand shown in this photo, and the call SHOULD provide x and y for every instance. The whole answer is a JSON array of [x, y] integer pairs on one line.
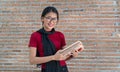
[[59, 56]]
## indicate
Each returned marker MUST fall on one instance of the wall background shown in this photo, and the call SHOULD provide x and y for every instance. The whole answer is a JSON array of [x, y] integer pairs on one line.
[[95, 22]]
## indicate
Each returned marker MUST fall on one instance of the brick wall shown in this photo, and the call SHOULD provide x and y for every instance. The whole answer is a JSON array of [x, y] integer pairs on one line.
[[95, 22]]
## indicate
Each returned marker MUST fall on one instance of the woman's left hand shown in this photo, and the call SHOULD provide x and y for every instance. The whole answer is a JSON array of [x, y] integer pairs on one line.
[[74, 53]]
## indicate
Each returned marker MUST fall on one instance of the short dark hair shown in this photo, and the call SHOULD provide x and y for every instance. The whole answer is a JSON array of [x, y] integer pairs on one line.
[[50, 9]]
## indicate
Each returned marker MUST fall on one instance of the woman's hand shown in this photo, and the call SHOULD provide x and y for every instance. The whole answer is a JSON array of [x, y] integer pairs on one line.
[[74, 53], [59, 56]]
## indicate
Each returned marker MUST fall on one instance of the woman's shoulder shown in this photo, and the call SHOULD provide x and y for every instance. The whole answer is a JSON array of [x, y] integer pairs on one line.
[[58, 32], [35, 34]]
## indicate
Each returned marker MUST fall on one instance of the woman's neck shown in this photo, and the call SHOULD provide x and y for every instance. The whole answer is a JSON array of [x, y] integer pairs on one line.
[[47, 29]]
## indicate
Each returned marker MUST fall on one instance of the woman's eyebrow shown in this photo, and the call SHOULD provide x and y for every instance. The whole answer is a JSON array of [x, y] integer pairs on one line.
[[51, 17]]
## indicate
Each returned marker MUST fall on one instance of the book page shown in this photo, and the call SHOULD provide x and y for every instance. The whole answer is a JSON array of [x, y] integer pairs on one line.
[[70, 48]]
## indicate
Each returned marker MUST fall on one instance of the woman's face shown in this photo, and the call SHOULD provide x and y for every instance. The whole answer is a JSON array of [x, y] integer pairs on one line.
[[49, 21]]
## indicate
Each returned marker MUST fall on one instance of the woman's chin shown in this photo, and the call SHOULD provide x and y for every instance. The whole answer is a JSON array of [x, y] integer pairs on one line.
[[51, 27], [48, 28]]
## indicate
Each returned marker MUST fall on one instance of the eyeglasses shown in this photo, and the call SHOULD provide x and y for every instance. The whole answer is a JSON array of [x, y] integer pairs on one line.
[[51, 19]]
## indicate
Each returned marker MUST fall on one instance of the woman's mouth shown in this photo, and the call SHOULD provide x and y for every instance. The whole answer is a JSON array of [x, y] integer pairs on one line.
[[50, 25]]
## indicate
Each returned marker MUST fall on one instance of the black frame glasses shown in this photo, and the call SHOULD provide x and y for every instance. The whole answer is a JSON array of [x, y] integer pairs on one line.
[[51, 19]]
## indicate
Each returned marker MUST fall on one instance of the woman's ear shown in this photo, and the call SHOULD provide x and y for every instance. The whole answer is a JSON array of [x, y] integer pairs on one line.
[[42, 19]]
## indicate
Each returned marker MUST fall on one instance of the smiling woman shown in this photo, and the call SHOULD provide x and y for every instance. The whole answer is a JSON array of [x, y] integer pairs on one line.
[[49, 21], [47, 42]]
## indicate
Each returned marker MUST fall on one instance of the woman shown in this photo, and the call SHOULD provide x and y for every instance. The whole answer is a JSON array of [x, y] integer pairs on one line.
[[48, 43]]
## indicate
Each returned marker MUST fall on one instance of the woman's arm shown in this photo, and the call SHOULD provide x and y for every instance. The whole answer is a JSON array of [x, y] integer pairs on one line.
[[38, 60]]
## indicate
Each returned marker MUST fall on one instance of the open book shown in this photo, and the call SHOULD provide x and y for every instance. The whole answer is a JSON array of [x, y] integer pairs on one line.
[[75, 46]]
